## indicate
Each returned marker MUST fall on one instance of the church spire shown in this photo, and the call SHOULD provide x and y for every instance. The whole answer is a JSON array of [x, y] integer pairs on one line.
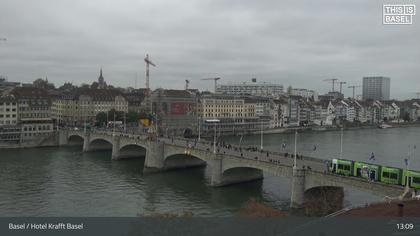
[[101, 80]]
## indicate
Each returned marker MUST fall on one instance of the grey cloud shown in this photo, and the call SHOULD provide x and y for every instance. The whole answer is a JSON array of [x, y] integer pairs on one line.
[[296, 43]]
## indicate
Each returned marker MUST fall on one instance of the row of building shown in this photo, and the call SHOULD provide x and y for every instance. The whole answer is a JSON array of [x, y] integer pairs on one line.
[[27, 112]]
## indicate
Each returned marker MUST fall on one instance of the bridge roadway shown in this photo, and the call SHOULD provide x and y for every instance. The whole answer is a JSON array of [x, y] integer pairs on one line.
[[228, 165]]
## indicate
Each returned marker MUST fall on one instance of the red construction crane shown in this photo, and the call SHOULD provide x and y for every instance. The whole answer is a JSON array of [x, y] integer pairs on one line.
[[215, 82], [354, 88], [148, 62]]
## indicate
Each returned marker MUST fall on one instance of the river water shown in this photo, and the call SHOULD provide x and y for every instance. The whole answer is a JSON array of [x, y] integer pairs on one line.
[[68, 182]]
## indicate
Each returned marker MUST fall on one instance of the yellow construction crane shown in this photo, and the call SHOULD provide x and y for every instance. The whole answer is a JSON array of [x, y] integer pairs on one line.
[[215, 82]]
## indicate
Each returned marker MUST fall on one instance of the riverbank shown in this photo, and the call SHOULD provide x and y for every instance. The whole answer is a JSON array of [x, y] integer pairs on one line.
[[289, 130], [50, 141]]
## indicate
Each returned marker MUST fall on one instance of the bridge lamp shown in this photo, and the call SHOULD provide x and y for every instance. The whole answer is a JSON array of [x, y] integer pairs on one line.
[[215, 122]]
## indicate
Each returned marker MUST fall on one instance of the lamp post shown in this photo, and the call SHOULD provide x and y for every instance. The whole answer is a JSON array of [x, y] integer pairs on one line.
[[341, 142], [262, 137], [214, 121], [125, 123], [113, 129], [295, 153], [199, 128]]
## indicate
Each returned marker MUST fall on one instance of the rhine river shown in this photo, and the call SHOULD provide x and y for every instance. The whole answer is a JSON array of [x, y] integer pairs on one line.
[[68, 182]]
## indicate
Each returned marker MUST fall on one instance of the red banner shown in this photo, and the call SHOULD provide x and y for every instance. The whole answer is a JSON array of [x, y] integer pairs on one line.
[[178, 108]]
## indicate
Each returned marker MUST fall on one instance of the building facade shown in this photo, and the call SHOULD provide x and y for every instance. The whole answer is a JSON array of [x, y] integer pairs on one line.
[[82, 105], [175, 112], [376, 88], [253, 88], [34, 113]]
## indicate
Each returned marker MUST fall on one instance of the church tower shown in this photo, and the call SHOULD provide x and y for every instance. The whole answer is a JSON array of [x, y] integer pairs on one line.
[[101, 81]]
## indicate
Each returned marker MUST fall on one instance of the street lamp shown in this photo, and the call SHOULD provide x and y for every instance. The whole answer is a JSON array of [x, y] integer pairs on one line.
[[199, 128], [215, 122], [262, 136], [295, 158]]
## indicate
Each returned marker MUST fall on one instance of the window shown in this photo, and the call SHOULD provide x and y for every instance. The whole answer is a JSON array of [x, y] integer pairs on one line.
[[393, 176], [416, 180], [385, 174]]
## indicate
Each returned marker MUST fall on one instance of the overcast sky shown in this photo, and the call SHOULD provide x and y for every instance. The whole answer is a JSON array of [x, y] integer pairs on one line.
[[297, 43]]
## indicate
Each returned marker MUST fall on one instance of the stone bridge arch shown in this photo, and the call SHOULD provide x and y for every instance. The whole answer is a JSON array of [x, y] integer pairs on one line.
[[132, 150], [75, 139], [179, 157], [99, 144]]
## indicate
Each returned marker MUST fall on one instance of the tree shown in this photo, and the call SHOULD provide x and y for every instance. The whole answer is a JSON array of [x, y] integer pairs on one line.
[[406, 116], [133, 116], [40, 83], [101, 118], [67, 87], [94, 85]]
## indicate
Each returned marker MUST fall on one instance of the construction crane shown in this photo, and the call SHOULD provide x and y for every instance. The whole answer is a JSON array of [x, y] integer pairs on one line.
[[187, 82], [333, 83], [341, 86], [148, 62], [354, 88], [148, 92], [215, 82]]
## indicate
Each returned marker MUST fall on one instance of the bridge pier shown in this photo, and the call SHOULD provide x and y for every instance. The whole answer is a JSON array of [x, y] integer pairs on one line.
[[115, 148], [216, 171], [298, 188], [155, 160], [63, 138], [86, 143]]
